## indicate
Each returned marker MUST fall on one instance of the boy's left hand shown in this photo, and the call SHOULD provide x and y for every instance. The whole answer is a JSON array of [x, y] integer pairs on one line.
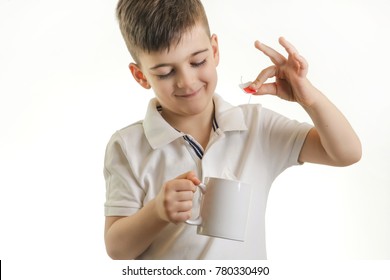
[[290, 75]]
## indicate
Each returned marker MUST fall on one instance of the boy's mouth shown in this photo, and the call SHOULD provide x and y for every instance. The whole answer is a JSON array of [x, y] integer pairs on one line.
[[189, 94]]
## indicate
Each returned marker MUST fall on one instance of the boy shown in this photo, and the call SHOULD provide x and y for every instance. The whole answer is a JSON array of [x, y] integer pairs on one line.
[[152, 167]]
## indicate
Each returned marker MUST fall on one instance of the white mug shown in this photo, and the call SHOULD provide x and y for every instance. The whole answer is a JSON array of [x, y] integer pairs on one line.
[[224, 209]]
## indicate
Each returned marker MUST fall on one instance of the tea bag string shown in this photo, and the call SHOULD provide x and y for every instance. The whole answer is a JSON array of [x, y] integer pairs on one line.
[[250, 95]]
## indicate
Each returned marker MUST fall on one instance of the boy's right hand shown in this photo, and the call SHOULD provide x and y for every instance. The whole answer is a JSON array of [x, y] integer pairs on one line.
[[174, 201]]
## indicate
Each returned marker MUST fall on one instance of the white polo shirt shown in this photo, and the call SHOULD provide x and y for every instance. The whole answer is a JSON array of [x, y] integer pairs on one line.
[[247, 143]]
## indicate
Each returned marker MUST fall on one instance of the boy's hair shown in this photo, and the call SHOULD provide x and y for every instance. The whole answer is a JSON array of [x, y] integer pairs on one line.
[[155, 25]]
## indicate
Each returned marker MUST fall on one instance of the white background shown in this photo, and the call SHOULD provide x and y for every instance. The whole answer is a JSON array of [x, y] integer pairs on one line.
[[65, 88]]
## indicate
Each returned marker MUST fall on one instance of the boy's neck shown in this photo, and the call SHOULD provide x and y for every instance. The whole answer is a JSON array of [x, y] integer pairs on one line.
[[198, 126]]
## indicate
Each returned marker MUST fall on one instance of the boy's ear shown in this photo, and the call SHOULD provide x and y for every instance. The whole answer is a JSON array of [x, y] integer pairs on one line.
[[139, 75], [214, 46]]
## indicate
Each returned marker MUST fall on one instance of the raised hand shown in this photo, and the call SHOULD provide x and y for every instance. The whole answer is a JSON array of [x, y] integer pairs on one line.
[[290, 75]]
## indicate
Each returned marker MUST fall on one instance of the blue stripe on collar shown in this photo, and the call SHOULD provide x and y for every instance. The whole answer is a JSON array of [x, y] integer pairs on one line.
[[197, 149]]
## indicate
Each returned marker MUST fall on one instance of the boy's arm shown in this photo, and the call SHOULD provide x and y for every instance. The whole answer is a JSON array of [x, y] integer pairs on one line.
[[332, 141], [128, 237]]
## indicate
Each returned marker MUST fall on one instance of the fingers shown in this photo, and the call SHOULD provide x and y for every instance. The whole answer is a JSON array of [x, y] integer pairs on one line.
[[190, 176], [186, 175], [284, 69], [259, 84], [175, 198], [300, 62], [291, 50], [275, 57], [269, 88], [178, 205], [264, 75], [279, 59]]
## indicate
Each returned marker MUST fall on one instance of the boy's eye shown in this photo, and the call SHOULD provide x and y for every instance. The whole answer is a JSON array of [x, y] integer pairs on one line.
[[194, 64], [197, 64], [165, 76]]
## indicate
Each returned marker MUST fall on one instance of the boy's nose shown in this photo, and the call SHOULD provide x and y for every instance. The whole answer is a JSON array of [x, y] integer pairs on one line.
[[185, 79]]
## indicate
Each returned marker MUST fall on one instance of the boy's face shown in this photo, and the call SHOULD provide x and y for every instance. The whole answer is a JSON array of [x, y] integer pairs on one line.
[[185, 77]]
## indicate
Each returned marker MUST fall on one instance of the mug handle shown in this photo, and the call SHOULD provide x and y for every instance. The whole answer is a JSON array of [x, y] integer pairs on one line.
[[197, 221]]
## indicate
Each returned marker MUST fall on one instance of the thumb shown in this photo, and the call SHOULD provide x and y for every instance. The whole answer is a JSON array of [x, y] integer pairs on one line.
[[190, 175]]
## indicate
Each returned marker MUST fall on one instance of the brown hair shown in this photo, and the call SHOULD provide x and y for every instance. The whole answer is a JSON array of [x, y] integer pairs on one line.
[[154, 25]]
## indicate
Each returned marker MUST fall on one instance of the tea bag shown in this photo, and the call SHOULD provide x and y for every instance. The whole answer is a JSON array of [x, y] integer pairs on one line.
[[246, 87]]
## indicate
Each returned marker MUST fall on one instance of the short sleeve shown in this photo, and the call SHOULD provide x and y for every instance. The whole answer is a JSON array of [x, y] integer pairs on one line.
[[284, 139], [124, 195]]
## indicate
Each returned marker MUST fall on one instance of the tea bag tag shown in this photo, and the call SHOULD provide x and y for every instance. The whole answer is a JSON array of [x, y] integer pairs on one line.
[[246, 87]]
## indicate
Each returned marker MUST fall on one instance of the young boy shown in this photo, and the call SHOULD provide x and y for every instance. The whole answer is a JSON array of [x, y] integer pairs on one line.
[[152, 167]]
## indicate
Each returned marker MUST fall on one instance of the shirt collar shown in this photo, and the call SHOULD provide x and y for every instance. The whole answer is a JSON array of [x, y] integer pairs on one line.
[[160, 133], [229, 117]]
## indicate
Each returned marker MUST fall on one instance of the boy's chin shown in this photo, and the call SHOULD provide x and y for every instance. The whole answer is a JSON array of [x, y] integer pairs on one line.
[[196, 107]]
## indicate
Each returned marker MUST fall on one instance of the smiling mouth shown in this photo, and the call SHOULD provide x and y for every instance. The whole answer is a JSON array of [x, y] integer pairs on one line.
[[189, 95]]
